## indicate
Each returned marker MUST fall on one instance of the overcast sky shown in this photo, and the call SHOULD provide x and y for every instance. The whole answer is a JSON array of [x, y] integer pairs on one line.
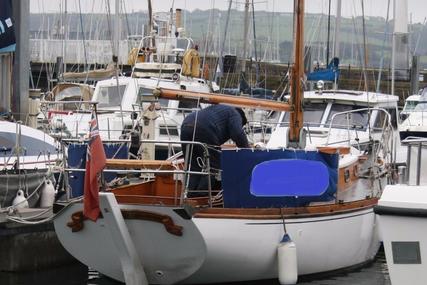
[[417, 8]]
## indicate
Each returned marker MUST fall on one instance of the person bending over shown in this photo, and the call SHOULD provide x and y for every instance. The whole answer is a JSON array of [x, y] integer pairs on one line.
[[213, 126]]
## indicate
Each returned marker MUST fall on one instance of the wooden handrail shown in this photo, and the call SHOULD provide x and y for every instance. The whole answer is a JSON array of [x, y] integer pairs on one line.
[[332, 149], [137, 163]]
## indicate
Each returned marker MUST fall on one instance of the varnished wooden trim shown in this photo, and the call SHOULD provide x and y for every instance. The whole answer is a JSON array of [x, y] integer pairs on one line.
[[332, 150], [77, 220], [166, 220], [136, 163], [289, 213], [147, 200], [348, 176]]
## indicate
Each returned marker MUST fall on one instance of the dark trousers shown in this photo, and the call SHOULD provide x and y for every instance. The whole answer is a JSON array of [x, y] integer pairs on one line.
[[199, 182]]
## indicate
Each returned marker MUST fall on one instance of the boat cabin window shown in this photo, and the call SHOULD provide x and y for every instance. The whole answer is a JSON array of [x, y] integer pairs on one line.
[[410, 106], [109, 97], [422, 104], [313, 113], [421, 107], [357, 120], [188, 105], [70, 94], [381, 117], [163, 102], [145, 95]]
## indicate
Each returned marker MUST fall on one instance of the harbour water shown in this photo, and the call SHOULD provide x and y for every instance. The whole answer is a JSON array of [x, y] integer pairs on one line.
[[373, 274]]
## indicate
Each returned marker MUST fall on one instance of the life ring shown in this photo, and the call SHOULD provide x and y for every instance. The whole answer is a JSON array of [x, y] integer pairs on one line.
[[175, 77]]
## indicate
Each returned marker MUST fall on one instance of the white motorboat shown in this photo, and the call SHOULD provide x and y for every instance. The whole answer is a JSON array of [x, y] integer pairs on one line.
[[124, 102], [341, 117], [402, 212], [415, 111], [410, 103]]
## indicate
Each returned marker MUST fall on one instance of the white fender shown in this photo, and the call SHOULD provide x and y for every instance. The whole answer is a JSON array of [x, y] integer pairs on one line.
[[287, 261], [20, 201], [47, 194]]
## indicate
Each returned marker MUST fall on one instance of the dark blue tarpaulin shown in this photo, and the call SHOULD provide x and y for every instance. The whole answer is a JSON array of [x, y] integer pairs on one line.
[[77, 159], [331, 73], [237, 169], [7, 31]]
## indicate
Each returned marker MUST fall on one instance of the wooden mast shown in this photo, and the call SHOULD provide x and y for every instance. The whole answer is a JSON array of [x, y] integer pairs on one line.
[[295, 138], [214, 98]]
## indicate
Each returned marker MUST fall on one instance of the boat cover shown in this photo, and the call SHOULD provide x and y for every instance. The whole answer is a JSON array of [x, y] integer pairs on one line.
[[282, 178], [331, 73], [237, 167], [77, 159]]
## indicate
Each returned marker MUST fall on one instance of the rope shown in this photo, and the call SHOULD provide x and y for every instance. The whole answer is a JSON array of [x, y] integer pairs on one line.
[[26, 199], [27, 221]]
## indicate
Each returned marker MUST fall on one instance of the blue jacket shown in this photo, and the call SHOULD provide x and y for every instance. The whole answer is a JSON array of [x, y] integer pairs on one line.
[[217, 124]]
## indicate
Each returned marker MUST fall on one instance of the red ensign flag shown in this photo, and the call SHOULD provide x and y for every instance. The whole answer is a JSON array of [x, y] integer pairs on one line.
[[95, 162]]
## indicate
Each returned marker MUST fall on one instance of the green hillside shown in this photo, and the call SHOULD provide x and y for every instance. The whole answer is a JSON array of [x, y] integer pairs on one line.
[[273, 33]]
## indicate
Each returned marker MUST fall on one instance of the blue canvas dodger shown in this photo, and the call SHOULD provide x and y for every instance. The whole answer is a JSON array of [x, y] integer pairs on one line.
[[237, 167]]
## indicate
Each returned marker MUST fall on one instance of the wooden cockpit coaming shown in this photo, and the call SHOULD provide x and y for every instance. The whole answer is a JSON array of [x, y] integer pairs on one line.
[[166, 189], [287, 213]]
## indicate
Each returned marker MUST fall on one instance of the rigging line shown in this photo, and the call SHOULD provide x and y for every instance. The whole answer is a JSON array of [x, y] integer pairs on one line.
[[164, 57], [126, 17], [315, 31], [329, 29], [219, 60], [115, 58], [110, 36], [84, 42], [209, 33], [364, 63], [171, 19], [255, 46], [365, 55], [91, 20], [270, 36], [419, 36], [382, 47]]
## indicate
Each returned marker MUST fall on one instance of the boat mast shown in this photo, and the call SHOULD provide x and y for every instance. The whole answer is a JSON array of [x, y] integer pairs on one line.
[[296, 138], [220, 62], [336, 47], [329, 32], [336, 50], [150, 23], [245, 36], [64, 28], [116, 34], [399, 43], [116, 46], [257, 68]]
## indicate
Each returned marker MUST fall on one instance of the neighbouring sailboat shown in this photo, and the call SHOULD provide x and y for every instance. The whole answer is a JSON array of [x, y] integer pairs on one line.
[[151, 232]]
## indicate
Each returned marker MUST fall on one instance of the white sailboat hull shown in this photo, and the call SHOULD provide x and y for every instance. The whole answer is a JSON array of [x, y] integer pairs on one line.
[[215, 250]]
